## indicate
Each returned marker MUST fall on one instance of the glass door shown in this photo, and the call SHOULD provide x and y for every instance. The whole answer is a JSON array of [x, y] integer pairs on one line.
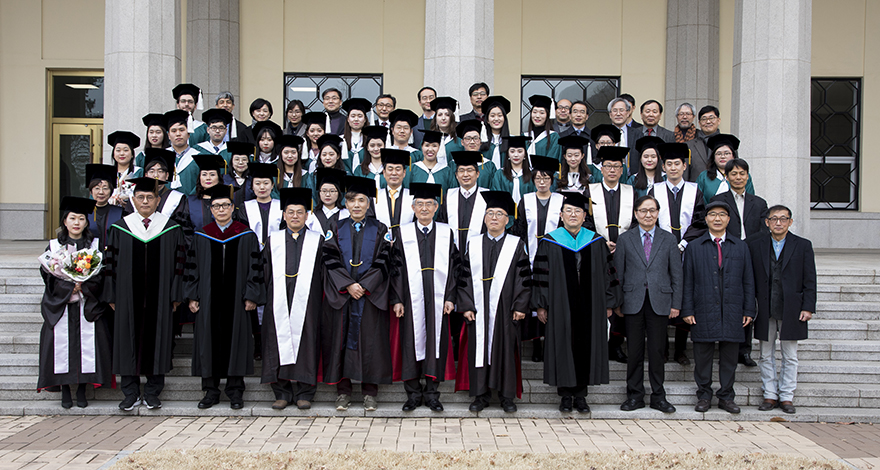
[[73, 146]]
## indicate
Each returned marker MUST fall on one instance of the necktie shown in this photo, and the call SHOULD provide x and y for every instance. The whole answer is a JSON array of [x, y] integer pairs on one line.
[[216, 149], [650, 132], [718, 244], [357, 226], [147, 223], [647, 245], [578, 131], [393, 193], [385, 124], [425, 231]]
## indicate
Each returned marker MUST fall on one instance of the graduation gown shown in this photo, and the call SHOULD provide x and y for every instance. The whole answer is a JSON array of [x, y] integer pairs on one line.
[[320, 222], [292, 317], [464, 215], [75, 340], [262, 221], [355, 334], [223, 270], [576, 293], [441, 174], [425, 281], [100, 221], [199, 215], [489, 357], [501, 183], [143, 277]]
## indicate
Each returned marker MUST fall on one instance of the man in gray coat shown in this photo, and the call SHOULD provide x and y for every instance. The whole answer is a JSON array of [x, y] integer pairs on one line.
[[718, 302], [648, 265]]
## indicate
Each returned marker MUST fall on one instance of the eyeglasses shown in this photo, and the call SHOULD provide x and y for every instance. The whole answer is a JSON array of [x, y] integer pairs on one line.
[[496, 215], [465, 170], [217, 128], [328, 192], [716, 215], [384, 105], [612, 166], [478, 94], [145, 198], [708, 118], [778, 220], [618, 111], [471, 139], [564, 108], [423, 204], [222, 206], [542, 178], [647, 211], [724, 154], [572, 211]]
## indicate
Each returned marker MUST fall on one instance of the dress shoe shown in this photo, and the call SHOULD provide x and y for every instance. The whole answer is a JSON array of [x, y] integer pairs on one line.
[[434, 404], [537, 350], [280, 404], [682, 359], [81, 396], [787, 407], [702, 406], [66, 399], [767, 405], [343, 402], [632, 404], [508, 405], [663, 405], [565, 404], [237, 405], [208, 402], [746, 360], [411, 404], [303, 404], [728, 406], [478, 405], [580, 404], [617, 354]]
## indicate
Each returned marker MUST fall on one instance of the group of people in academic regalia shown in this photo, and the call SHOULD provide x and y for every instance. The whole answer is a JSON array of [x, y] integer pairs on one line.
[[367, 243]]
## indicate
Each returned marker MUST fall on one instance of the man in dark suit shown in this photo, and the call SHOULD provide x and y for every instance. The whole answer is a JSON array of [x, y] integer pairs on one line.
[[578, 123], [652, 112], [237, 130], [709, 119], [426, 96], [785, 283], [477, 92], [747, 214], [648, 265]]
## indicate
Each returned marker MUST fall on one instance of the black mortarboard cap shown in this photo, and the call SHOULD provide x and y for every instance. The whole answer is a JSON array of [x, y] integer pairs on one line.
[[674, 150], [154, 119], [146, 184], [610, 153], [425, 190], [210, 162], [467, 158], [546, 164], [395, 157], [176, 116], [518, 141], [359, 104], [332, 140], [718, 140], [332, 176], [500, 200], [164, 156], [430, 136], [97, 171], [217, 115], [271, 126], [494, 101], [403, 115], [541, 101], [221, 191], [263, 170], [444, 102], [238, 147], [297, 196], [357, 184], [186, 89], [573, 142], [124, 137], [576, 199], [290, 140], [605, 129], [650, 141], [315, 118], [374, 132], [77, 205], [468, 125]]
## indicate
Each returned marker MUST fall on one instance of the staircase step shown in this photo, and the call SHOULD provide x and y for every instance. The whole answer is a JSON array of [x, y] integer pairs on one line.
[[855, 293]]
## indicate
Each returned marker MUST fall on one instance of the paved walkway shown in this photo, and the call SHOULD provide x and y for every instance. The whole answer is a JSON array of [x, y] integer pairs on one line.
[[96, 442]]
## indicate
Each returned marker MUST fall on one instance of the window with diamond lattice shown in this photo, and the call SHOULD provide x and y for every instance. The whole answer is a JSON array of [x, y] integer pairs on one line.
[[307, 87], [597, 92], [835, 143]]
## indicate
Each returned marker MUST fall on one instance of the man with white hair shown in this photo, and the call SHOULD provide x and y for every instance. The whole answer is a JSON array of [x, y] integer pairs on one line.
[[685, 130], [237, 130]]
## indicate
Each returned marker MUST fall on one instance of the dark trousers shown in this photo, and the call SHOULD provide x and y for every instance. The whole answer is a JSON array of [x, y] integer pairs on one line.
[[283, 390], [746, 346], [703, 358], [638, 326], [234, 387], [415, 390], [577, 392], [344, 388], [131, 385], [288, 391], [618, 333]]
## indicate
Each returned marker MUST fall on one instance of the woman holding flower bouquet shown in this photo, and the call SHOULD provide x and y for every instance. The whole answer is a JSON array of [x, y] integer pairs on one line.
[[75, 339]]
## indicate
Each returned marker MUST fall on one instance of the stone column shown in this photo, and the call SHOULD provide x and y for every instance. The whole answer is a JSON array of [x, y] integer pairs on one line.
[[212, 49], [771, 100], [141, 62], [691, 55], [459, 47]]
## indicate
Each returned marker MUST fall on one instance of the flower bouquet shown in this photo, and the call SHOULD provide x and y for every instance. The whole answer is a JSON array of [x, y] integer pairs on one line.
[[72, 265]]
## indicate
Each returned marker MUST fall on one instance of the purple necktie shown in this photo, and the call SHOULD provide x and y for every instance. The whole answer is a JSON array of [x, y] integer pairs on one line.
[[647, 245], [147, 223], [718, 244]]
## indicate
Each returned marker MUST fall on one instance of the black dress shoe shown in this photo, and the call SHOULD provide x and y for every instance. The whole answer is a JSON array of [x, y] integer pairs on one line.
[[66, 399], [787, 407], [746, 360], [682, 359], [617, 354], [663, 405], [434, 404], [767, 405], [580, 404], [477, 405], [702, 406], [508, 405], [411, 404], [81, 396], [208, 402], [237, 405], [632, 404], [728, 406], [565, 404]]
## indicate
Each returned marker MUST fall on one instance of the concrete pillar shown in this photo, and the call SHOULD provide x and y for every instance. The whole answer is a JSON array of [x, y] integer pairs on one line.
[[771, 100], [141, 62], [459, 47], [212, 49], [691, 55]]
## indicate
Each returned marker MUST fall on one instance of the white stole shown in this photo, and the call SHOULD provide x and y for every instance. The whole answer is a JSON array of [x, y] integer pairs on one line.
[[442, 237], [535, 140], [383, 210], [686, 213], [185, 160], [554, 208], [441, 154], [252, 209], [439, 166], [61, 332], [496, 152], [723, 187], [499, 276], [289, 323], [135, 224], [171, 203], [476, 221], [624, 219]]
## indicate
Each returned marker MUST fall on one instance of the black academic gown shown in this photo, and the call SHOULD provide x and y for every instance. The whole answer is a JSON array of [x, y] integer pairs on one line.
[[575, 342], [101, 219], [143, 278], [53, 306], [223, 270], [355, 338], [504, 373], [431, 366], [305, 370], [532, 327]]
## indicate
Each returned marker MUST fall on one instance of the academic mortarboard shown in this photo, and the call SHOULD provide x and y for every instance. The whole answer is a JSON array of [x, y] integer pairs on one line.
[[220, 191], [518, 141], [359, 104], [359, 185], [237, 147], [154, 119], [444, 102], [433, 137], [499, 200], [217, 115], [674, 150], [261, 126], [576, 199], [77, 205], [541, 101], [467, 158], [146, 184], [610, 153], [164, 157], [650, 141], [573, 142], [332, 176], [296, 196], [545, 164], [468, 125], [96, 171], [494, 101], [210, 162], [124, 137], [718, 140], [605, 129], [425, 190], [290, 140], [395, 157], [332, 140], [186, 89], [176, 116], [374, 132], [718, 204], [403, 115], [315, 118], [263, 170]]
